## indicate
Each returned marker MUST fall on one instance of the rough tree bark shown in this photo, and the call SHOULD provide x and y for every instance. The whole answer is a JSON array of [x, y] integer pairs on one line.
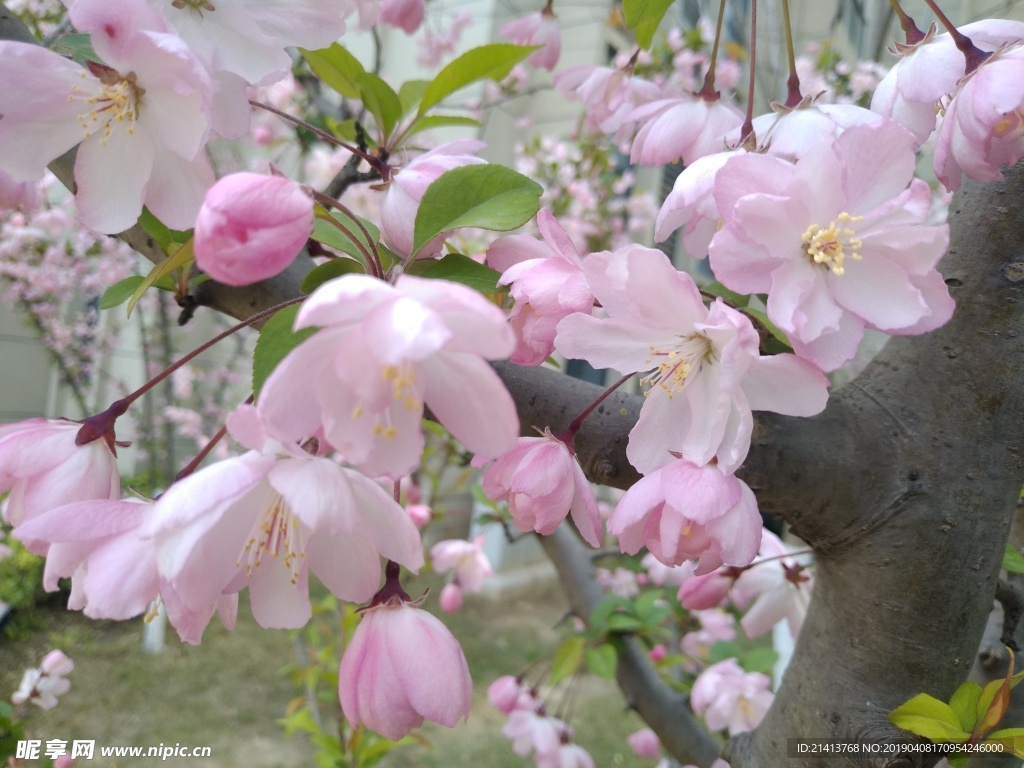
[[905, 487]]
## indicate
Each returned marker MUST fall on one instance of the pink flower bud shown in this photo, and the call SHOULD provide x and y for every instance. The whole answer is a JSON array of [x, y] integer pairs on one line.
[[251, 227], [504, 693], [451, 598], [421, 514], [403, 667], [658, 652], [56, 664], [644, 743]]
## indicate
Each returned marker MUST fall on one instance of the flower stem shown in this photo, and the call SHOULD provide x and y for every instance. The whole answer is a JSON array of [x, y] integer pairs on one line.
[[972, 53], [569, 434], [912, 34], [707, 91], [372, 255], [793, 96], [747, 137]]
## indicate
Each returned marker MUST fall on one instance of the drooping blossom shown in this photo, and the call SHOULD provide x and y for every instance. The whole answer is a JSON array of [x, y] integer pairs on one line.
[[982, 130], [508, 693], [42, 685], [538, 28], [645, 743], [728, 697], [451, 597], [707, 371], [407, 186], [780, 586], [916, 87], [466, 558], [542, 482], [838, 241], [383, 352], [266, 519], [402, 667], [547, 283], [141, 119], [684, 511], [251, 227], [687, 127], [709, 590], [534, 730], [248, 37], [42, 466], [406, 15]]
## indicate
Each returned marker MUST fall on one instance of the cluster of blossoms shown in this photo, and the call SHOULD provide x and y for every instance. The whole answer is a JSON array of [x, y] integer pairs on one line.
[[532, 730], [469, 564], [816, 209]]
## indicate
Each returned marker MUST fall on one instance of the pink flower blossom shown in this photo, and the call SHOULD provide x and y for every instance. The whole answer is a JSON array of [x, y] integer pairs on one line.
[[409, 183], [383, 352], [42, 467], [645, 743], [420, 514], [249, 37], [547, 282], [715, 626], [982, 130], [265, 519], [708, 374], [687, 127], [402, 667], [466, 558], [41, 686], [20, 196], [533, 730], [538, 28], [663, 575], [406, 15], [708, 590], [838, 241], [251, 227], [542, 482], [132, 150], [781, 585], [684, 511], [450, 599], [509, 693], [728, 697]]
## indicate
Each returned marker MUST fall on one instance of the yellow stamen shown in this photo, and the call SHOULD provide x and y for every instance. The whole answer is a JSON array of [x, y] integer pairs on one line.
[[831, 246]]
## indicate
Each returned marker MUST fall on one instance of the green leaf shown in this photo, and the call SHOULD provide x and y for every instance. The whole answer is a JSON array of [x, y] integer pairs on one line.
[[487, 196], [722, 650], [1012, 740], [492, 62], [344, 130], [328, 271], [603, 610], [622, 622], [383, 103], [759, 660], [120, 292], [461, 269], [643, 17], [732, 298], [410, 93], [181, 258], [648, 603], [568, 657], [337, 68], [276, 340], [602, 660], [1013, 561], [440, 121], [330, 235], [964, 703], [76, 45], [928, 717], [773, 329], [992, 704], [164, 236]]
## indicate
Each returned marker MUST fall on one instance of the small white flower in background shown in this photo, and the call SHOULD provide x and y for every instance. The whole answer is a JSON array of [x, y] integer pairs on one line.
[[42, 686]]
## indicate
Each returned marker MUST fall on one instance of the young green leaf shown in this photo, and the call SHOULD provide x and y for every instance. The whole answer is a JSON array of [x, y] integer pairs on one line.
[[430, 122], [383, 103], [602, 660], [1013, 561], [731, 297], [328, 271], [338, 68], [759, 660], [928, 717], [326, 232], [460, 269], [567, 659], [773, 329], [120, 292], [276, 340], [965, 703], [643, 17], [410, 93], [76, 45], [1011, 740], [164, 236], [181, 258], [492, 62], [487, 196]]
